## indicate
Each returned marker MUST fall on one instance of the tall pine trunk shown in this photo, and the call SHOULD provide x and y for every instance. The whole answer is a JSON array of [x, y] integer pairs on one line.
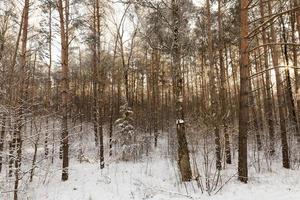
[[244, 93]]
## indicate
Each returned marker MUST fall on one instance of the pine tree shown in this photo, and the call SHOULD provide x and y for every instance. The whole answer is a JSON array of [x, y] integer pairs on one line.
[[125, 134]]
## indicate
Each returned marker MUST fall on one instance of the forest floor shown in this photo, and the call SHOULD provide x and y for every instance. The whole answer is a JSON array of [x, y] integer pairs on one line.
[[155, 180], [155, 177]]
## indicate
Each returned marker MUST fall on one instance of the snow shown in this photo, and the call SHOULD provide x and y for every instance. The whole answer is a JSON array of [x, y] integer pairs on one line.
[[155, 180], [179, 121], [154, 177]]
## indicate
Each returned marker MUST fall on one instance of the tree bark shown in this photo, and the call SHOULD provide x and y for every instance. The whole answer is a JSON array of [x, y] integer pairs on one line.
[[223, 91], [280, 95], [183, 152], [244, 93], [213, 90], [268, 103], [63, 10]]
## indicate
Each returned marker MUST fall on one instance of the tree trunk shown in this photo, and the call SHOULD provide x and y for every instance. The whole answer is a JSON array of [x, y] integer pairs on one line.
[[48, 96], [244, 93], [223, 90], [183, 152], [17, 140], [64, 21], [280, 96], [2, 135], [289, 90], [268, 103], [213, 90], [297, 75]]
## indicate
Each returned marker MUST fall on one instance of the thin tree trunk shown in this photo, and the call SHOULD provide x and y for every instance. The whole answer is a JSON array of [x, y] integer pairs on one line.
[[268, 104], [2, 135], [63, 10], [289, 90], [223, 91], [36, 143], [280, 97], [213, 90], [101, 86], [48, 96]]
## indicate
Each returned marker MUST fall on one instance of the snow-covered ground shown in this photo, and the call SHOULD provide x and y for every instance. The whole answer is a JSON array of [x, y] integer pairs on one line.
[[155, 177]]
